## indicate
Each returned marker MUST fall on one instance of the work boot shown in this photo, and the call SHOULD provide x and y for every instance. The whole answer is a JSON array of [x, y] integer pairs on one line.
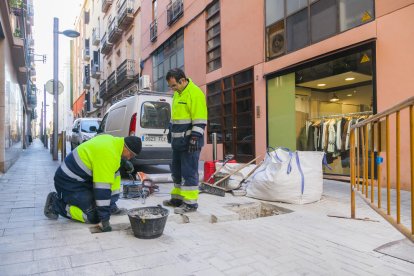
[[184, 208], [49, 212], [118, 211], [172, 202]]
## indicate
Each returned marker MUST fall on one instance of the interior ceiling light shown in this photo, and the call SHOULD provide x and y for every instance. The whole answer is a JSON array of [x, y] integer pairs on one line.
[[334, 98], [350, 78], [321, 84], [349, 95]]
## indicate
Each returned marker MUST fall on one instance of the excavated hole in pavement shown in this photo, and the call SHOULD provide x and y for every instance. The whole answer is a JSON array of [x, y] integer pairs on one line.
[[254, 210]]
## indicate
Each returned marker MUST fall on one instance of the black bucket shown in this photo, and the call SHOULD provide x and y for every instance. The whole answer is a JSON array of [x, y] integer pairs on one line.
[[148, 222]]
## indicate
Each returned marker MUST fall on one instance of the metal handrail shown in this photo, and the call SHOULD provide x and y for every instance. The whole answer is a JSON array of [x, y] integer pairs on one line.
[[362, 183]]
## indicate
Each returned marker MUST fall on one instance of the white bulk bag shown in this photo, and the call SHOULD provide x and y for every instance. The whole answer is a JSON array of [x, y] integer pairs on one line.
[[291, 177]]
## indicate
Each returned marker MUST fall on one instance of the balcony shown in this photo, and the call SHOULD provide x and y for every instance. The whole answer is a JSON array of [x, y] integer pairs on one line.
[[125, 72], [86, 54], [16, 7], [174, 11], [86, 82], [126, 14], [114, 33], [106, 47], [96, 39], [111, 84], [105, 5], [102, 89], [95, 71], [153, 30]]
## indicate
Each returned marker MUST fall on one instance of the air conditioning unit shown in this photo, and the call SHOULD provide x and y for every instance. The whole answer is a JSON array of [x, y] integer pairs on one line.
[[276, 43], [144, 82]]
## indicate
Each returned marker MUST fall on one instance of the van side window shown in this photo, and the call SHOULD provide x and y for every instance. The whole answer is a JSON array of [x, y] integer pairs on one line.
[[155, 115]]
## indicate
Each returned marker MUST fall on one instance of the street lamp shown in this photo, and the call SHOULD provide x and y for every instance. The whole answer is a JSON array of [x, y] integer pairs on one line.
[[68, 33]]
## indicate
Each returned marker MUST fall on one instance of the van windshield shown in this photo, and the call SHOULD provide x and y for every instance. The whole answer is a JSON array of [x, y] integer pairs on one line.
[[85, 126], [155, 115]]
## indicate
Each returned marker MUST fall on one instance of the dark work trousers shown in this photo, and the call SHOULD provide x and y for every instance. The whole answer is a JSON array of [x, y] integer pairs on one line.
[[185, 166], [84, 200]]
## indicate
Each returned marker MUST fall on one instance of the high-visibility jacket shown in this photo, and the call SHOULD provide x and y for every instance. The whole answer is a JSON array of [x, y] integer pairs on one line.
[[189, 116], [93, 165]]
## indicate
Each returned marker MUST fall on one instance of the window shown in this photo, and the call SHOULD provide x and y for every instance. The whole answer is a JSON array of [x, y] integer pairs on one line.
[[294, 24], [213, 37], [155, 115], [154, 10], [324, 22], [169, 55]]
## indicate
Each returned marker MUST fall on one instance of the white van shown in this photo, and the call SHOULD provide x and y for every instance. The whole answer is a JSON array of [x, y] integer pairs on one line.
[[147, 116]]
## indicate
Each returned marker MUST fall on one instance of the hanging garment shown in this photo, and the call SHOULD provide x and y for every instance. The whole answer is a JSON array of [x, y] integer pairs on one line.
[[310, 146], [331, 136]]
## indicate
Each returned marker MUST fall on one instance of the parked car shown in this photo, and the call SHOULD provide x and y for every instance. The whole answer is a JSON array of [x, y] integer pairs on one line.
[[146, 115], [83, 129]]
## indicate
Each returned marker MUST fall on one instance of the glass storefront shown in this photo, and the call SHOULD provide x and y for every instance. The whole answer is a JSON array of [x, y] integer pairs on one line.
[[312, 107]]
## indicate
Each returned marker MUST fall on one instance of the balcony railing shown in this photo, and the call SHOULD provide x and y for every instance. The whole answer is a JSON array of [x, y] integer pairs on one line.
[[96, 39], [125, 72], [106, 4], [174, 11], [86, 82], [106, 47], [86, 54], [153, 30], [95, 71], [111, 83], [126, 14], [114, 33], [102, 89]]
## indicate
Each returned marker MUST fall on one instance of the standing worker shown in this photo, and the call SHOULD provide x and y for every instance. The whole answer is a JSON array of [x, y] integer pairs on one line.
[[88, 178], [186, 135]]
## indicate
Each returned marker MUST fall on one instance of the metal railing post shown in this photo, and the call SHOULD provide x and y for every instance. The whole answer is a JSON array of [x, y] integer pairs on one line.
[[398, 163], [214, 141], [388, 165], [352, 160]]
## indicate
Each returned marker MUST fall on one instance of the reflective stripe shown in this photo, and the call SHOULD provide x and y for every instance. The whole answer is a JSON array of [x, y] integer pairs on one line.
[[103, 202], [199, 121], [189, 188], [102, 185], [85, 218], [198, 129], [69, 173], [115, 192], [180, 134], [186, 201], [117, 174], [80, 163], [181, 122]]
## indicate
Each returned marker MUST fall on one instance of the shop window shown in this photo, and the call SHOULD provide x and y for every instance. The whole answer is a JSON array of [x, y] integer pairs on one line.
[[353, 13], [324, 19], [297, 30], [213, 37]]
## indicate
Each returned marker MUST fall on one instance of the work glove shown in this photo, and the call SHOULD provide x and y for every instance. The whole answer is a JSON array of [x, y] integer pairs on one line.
[[127, 166], [193, 144], [106, 226]]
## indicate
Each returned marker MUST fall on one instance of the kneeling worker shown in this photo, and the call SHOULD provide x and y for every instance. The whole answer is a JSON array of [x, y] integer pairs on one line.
[[85, 181]]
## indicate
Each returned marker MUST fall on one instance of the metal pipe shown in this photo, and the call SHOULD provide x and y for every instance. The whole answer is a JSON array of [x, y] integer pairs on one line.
[[352, 160], [398, 163], [55, 86], [214, 141], [388, 156], [372, 160], [379, 166], [366, 160]]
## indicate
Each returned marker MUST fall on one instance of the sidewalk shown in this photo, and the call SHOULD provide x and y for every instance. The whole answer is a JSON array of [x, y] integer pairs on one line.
[[303, 242]]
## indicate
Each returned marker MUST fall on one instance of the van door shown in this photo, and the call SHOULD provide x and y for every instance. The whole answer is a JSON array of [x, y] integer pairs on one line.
[[154, 117]]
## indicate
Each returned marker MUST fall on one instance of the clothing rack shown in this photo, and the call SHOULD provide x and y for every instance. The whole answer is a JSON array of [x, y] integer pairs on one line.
[[343, 115]]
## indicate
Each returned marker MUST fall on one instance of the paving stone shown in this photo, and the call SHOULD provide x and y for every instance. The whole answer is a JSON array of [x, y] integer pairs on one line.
[[16, 257]]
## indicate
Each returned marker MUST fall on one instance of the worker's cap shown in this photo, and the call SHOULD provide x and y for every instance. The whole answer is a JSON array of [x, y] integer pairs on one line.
[[133, 144]]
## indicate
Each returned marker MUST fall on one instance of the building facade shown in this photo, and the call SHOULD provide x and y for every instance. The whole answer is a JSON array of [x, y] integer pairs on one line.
[[106, 55], [17, 76], [272, 69]]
